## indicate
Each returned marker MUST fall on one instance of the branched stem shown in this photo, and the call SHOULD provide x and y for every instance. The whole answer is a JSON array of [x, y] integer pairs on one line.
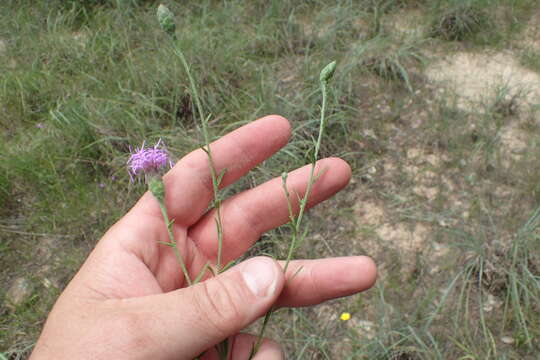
[[222, 348], [216, 180], [296, 221]]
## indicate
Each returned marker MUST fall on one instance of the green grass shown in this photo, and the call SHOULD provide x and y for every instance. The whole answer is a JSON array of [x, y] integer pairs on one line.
[[83, 81], [459, 20], [480, 22]]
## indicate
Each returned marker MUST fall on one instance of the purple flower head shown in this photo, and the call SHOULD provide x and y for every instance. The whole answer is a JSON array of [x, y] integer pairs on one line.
[[148, 161]]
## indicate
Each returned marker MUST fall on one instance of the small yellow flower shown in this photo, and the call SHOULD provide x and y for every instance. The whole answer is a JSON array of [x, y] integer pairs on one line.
[[345, 316]]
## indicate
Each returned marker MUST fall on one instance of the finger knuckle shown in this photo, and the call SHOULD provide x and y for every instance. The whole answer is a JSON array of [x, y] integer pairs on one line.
[[218, 303]]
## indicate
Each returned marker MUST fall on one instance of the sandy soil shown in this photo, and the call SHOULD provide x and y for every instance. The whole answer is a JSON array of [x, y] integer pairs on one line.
[[480, 80], [477, 77]]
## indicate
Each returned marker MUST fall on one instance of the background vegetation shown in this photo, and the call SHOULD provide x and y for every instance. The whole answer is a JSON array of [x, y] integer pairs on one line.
[[445, 194]]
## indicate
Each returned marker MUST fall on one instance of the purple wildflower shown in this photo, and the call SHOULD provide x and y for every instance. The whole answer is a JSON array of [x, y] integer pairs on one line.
[[101, 185], [40, 125], [148, 161]]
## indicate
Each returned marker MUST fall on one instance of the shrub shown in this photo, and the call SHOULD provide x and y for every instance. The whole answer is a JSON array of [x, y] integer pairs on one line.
[[458, 20]]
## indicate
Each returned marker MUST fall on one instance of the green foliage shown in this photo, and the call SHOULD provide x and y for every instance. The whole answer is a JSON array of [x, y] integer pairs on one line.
[[388, 60], [6, 192], [377, 9], [90, 4]]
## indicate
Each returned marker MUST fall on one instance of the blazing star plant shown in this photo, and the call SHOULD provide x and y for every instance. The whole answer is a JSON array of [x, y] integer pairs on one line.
[[150, 162], [295, 220]]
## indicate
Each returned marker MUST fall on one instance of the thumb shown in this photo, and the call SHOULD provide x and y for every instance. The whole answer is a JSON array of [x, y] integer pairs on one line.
[[190, 320]]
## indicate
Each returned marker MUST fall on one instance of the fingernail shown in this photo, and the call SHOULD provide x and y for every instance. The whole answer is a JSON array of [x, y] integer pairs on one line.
[[260, 275]]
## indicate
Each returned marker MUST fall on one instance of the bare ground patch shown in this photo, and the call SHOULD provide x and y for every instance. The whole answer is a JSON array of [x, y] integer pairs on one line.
[[387, 225], [475, 76], [495, 83]]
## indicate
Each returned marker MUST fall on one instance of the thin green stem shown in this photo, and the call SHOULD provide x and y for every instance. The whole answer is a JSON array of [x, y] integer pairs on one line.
[[290, 252], [173, 241], [223, 347], [296, 221], [216, 180], [303, 203]]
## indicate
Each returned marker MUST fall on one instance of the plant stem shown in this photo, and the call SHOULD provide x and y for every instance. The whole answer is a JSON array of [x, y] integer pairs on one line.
[[157, 188], [296, 221], [173, 242], [216, 180], [223, 347]]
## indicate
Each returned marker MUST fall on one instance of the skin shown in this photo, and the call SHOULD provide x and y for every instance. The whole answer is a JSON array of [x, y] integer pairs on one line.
[[130, 301]]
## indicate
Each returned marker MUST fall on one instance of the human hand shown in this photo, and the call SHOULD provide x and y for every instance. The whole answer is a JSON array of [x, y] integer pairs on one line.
[[129, 300]]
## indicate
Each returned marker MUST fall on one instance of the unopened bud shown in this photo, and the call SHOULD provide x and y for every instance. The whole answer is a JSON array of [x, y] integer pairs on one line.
[[327, 72], [166, 20], [157, 188]]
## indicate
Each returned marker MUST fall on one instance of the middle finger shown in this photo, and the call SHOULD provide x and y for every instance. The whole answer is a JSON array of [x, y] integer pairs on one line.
[[247, 215]]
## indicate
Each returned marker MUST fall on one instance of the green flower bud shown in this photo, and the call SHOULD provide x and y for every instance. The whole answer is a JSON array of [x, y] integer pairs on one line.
[[166, 20], [157, 188], [327, 72]]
